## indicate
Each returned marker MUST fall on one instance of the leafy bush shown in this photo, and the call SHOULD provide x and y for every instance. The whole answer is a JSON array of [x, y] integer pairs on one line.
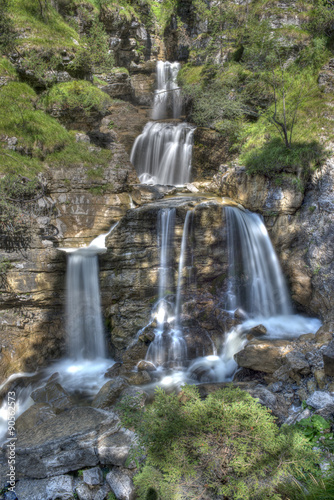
[[317, 430], [225, 445]]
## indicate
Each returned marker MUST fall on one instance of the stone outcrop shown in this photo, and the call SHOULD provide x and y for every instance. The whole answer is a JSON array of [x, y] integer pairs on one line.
[[257, 192], [80, 437]]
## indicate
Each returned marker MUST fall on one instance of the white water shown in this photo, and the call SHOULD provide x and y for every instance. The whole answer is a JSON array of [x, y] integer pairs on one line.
[[83, 371], [257, 286], [169, 345], [167, 97], [162, 153]]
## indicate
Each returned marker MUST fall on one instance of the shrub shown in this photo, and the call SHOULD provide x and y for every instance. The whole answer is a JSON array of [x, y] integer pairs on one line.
[[225, 445]]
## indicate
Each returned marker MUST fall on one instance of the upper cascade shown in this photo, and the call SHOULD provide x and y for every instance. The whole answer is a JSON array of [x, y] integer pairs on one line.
[[167, 97], [162, 153]]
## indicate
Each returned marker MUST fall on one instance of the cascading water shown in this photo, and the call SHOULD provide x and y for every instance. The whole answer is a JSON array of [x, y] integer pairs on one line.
[[162, 153], [169, 345], [167, 97], [256, 285], [84, 368], [256, 282], [84, 327]]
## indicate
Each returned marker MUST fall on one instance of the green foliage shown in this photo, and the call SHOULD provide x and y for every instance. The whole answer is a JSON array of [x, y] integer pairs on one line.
[[274, 158], [77, 95], [76, 154], [46, 26], [317, 430], [8, 35], [197, 448], [322, 18], [36, 131], [7, 69], [93, 52]]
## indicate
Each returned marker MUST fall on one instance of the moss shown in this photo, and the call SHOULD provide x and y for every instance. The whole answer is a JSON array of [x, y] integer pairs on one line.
[[77, 94], [189, 74], [95, 173]]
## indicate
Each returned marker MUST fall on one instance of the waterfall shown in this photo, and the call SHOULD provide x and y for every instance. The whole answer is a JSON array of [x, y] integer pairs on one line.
[[256, 281], [162, 153], [84, 325], [257, 286], [178, 302], [167, 97], [169, 345]]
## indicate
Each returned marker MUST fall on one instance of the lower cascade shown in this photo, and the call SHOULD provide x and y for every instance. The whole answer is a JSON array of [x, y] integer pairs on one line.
[[162, 153]]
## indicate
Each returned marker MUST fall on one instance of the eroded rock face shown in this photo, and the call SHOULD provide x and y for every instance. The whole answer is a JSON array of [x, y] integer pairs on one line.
[[130, 269], [259, 193]]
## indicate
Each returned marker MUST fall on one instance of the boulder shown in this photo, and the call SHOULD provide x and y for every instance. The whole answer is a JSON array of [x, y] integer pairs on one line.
[[113, 371], [54, 395], [263, 355], [31, 489], [327, 412], [85, 492], [109, 392], [93, 477], [77, 438], [320, 399], [328, 357], [34, 416], [60, 488], [145, 366], [137, 378], [257, 331], [121, 484], [297, 362]]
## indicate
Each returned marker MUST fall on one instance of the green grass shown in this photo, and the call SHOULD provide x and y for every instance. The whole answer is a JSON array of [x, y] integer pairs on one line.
[[51, 32], [34, 129], [189, 74], [77, 94], [7, 68], [76, 154]]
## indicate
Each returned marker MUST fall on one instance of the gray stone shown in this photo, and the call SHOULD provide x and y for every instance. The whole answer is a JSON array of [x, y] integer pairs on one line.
[[258, 330], [298, 416], [33, 416], [146, 366], [60, 487], [121, 484], [10, 495], [319, 400], [31, 489], [327, 412], [109, 392], [53, 394], [79, 137], [77, 438], [85, 492], [297, 362], [265, 397], [93, 477], [328, 357]]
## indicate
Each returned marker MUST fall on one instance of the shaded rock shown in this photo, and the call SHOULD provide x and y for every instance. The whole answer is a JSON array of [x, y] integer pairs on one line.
[[327, 412], [93, 477], [328, 357], [85, 492], [136, 393], [77, 438], [320, 378], [319, 400], [54, 394], [121, 484], [60, 488], [113, 371], [31, 489], [134, 354], [145, 366], [109, 392], [297, 362], [265, 397], [266, 356], [258, 330], [34, 416], [137, 378]]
